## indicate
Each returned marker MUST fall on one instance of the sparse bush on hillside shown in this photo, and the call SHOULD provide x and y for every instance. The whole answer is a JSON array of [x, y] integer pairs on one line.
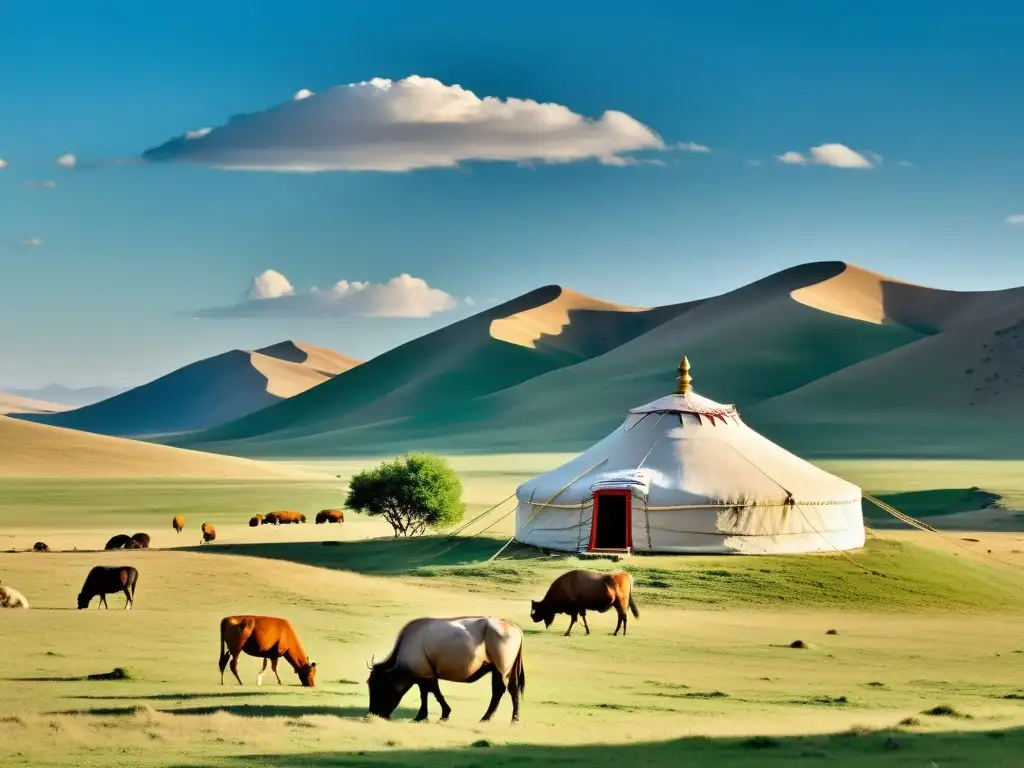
[[412, 493]]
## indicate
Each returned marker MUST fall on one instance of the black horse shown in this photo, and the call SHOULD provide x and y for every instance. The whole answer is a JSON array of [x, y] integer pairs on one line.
[[105, 580]]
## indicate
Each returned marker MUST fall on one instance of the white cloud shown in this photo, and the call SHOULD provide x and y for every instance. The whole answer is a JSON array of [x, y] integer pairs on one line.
[[302, 93], [3, 163], [468, 301], [792, 158], [271, 294], [197, 133], [1017, 218], [33, 242], [67, 160], [906, 164], [624, 160], [692, 146], [270, 284], [48, 184], [402, 125], [834, 155]]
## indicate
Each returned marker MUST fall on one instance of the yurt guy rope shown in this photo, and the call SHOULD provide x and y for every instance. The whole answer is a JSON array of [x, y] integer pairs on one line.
[[538, 510], [912, 522]]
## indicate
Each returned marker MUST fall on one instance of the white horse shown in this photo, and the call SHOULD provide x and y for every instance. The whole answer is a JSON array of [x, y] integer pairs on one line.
[[460, 650]]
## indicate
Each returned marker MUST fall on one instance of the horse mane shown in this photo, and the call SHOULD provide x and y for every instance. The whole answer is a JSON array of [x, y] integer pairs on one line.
[[392, 657]]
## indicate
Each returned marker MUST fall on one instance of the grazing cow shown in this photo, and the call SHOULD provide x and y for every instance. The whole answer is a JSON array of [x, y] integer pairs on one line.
[[118, 542], [178, 523], [255, 521], [139, 541], [285, 518], [12, 598], [330, 516], [105, 580], [579, 591], [209, 533], [40, 546], [460, 650], [264, 637]]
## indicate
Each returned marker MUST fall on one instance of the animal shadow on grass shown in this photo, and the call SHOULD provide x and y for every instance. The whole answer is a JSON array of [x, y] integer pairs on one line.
[[241, 710], [169, 696]]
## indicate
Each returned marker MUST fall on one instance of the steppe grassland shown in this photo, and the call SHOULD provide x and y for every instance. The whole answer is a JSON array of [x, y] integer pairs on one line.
[[708, 657]]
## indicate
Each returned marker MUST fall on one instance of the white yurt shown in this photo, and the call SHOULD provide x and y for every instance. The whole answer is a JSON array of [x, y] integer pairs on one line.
[[684, 474]]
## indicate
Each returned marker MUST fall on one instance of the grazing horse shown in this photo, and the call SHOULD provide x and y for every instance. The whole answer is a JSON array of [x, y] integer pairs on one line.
[[105, 580], [178, 523], [460, 650], [330, 516], [12, 598], [209, 533], [139, 541], [118, 542], [264, 637], [579, 591]]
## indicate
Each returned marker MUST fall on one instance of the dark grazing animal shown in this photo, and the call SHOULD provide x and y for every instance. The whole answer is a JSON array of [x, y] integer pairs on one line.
[[40, 546], [579, 591], [255, 521], [330, 516], [460, 650], [105, 580], [209, 533], [265, 637], [139, 541], [286, 517], [118, 542], [178, 523]]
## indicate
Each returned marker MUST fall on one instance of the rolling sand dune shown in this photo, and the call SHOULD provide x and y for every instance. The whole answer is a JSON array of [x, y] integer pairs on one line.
[[38, 450], [73, 397], [867, 296], [747, 345], [541, 331], [15, 404], [208, 392]]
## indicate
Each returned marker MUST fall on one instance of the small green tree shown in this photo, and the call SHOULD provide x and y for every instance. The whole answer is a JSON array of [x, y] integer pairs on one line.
[[412, 493]]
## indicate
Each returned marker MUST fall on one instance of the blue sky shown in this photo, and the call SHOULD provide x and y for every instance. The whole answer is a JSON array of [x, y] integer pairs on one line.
[[130, 253]]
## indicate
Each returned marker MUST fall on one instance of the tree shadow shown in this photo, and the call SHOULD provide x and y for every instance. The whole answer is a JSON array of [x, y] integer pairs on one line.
[[840, 750], [386, 556]]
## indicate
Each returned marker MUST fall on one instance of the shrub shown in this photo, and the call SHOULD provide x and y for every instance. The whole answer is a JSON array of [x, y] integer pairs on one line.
[[412, 493]]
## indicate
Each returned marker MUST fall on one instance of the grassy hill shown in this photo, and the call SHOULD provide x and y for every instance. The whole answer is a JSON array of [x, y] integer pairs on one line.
[[207, 392], [542, 331], [826, 358]]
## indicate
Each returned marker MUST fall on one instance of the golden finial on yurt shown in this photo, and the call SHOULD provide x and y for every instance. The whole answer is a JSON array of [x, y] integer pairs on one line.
[[683, 382]]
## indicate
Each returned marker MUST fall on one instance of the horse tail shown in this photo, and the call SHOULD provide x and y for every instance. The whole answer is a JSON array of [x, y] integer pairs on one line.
[[135, 580], [632, 602], [519, 671], [223, 639]]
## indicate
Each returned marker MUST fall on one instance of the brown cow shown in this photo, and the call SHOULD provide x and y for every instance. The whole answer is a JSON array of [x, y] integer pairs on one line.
[[264, 637], [255, 521], [578, 591], [178, 523], [286, 517], [209, 533], [330, 516], [138, 541]]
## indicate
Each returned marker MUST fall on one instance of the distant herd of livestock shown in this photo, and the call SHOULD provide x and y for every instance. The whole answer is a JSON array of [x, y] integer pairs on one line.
[[426, 651]]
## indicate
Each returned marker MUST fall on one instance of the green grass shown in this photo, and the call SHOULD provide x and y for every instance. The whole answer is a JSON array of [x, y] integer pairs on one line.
[[936, 501], [851, 749], [75, 503], [884, 576]]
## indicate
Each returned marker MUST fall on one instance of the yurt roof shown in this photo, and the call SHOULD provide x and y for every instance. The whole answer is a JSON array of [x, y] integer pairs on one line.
[[676, 462]]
